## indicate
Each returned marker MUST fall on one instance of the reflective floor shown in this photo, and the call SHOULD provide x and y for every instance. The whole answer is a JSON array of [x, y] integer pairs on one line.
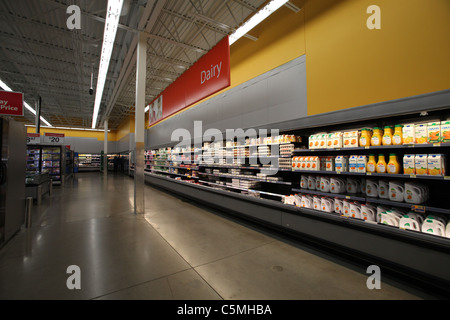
[[177, 250]]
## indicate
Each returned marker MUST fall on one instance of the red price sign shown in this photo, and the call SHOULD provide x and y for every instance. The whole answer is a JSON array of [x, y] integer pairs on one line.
[[11, 103]]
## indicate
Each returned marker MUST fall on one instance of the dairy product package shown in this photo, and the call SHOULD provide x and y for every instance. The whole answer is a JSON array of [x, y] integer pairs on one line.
[[421, 133], [434, 132], [408, 132], [436, 164], [421, 163], [352, 163], [409, 166], [351, 139], [341, 164], [362, 164], [445, 131]]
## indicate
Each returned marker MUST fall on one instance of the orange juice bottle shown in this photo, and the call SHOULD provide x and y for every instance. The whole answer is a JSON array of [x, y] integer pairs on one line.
[[372, 164], [387, 136], [397, 138], [381, 164], [393, 165], [364, 139], [376, 137]]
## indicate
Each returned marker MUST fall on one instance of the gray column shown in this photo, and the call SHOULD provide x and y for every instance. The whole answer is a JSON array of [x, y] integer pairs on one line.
[[105, 150], [141, 73]]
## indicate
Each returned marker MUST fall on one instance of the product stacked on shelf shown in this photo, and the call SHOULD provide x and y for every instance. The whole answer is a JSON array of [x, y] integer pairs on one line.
[[33, 160], [380, 185], [89, 161], [51, 162]]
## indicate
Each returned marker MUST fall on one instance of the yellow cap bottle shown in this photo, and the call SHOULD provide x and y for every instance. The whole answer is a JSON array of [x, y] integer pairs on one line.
[[381, 164]]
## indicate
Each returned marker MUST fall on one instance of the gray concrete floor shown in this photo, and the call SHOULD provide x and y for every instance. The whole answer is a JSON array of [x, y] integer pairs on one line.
[[177, 250]]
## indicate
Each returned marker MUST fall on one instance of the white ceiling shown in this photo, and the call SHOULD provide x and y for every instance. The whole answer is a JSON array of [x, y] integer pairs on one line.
[[40, 56]]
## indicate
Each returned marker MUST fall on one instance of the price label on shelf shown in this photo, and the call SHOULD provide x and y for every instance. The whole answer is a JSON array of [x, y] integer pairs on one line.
[[446, 177], [418, 209], [412, 176], [33, 138], [53, 138]]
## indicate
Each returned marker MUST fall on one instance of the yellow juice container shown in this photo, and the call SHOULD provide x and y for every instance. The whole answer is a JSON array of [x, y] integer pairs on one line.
[[387, 136], [376, 137], [364, 139], [397, 138], [371, 164], [393, 165], [381, 164]]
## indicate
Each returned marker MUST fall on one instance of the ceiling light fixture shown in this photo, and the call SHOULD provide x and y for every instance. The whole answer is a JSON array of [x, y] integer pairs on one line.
[[27, 106], [262, 14], [111, 23]]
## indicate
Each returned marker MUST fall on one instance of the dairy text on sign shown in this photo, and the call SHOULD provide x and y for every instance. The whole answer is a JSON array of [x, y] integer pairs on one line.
[[206, 75]]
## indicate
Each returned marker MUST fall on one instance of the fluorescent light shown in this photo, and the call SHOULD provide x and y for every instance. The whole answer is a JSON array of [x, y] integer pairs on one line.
[[262, 14], [147, 108], [114, 10], [27, 106]]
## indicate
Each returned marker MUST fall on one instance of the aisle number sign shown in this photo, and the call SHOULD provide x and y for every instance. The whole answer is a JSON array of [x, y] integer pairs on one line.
[[53, 138], [11, 103], [33, 138]]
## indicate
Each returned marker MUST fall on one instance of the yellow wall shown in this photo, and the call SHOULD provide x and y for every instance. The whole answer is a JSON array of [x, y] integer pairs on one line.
[[76, 133], [348, 65]]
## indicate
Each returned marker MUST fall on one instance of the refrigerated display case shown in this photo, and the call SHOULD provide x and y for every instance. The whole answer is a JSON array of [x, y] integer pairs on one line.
[[89, 162], [76, 162], [318, 193], [57, 161], [12, 177]]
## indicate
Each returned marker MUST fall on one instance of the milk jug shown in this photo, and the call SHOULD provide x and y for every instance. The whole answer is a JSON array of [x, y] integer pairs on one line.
[[368, 212], [396, 191], [371, 188]]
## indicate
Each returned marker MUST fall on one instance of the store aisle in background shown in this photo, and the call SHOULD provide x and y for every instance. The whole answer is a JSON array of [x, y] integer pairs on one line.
[[177, 250]]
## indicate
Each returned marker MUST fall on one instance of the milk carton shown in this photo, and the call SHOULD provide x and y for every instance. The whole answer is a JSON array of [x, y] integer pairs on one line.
[[322, 141], [409, 166], [421, 133], [315, 163], [434, 132], [329, 163], [341, 164], [351, 139], [436, 165], [352, 164], [337, 140], [362, 164], [408, 133], [311, 141], [421, 163], [330, 139], [445, 131]]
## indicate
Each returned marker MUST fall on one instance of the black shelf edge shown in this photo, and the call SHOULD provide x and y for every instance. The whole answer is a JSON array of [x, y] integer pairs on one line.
[[332, 195]]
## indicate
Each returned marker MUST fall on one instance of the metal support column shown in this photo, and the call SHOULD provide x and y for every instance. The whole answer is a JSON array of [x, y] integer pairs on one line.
[[105, 148], [141, 73]]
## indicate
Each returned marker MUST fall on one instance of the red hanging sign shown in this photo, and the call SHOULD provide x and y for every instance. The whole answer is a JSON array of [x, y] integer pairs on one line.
[[210, 74], [11, 103]]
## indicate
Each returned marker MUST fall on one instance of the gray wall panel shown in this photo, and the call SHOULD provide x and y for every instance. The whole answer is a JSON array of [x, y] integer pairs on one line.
[[89, 145], [245, 106]]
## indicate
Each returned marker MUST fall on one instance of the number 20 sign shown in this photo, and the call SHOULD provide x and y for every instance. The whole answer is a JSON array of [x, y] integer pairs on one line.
[[53, 138]]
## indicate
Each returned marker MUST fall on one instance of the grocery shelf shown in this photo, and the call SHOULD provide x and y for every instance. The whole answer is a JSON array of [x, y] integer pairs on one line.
[[334, 195], [244, 178], [421, 208], [403, 146]]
